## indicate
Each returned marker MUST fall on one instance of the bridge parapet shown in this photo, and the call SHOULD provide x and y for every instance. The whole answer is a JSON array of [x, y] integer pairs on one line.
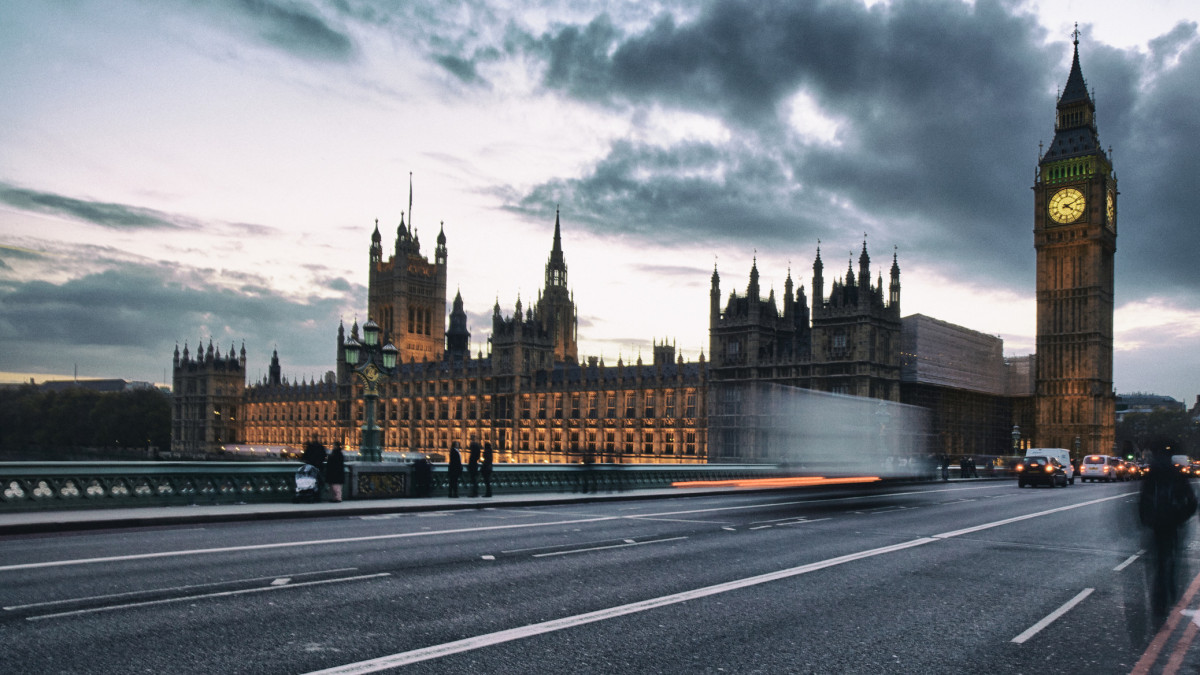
[[57, 485]]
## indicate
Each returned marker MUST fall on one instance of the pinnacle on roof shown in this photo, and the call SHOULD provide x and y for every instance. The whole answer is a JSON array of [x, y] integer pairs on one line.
[[1076, 89]]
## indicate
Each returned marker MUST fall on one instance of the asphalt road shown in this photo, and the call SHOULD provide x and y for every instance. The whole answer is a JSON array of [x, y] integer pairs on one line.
[[937, 578]]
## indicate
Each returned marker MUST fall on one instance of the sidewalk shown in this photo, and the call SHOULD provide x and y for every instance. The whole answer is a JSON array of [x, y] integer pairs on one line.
[[69, 520]]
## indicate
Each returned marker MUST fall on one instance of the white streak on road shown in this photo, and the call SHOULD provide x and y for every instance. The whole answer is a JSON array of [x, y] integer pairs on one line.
[[1037, 627], [1017, 519], [1128, 561], [292, 544], [601, 548], [169, 589], [489, 639], [187, 598], [437, 651]]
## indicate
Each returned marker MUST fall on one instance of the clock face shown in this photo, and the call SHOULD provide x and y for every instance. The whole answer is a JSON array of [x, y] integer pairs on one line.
[[1066, 205], [1111, 212]]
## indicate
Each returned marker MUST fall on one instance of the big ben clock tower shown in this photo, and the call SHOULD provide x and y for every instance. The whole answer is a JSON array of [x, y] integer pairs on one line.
[[1075, 236]]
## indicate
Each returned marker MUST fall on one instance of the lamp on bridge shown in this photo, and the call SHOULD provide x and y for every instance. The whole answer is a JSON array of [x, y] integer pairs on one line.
[[1016, 436], [374, 365]]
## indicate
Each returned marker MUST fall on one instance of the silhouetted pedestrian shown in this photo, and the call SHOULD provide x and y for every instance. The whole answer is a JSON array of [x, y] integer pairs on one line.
[[314, 455], [473, 465], [1165, 504], [422, 477], [588, 484], [486, 469], [454, 469], [335, 470]]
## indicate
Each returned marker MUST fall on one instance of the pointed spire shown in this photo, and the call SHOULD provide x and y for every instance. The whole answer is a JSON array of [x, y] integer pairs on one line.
[[1076, 89]]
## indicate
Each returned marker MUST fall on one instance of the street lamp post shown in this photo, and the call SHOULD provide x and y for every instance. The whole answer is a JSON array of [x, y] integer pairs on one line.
[[1016, 436], [374, 365]]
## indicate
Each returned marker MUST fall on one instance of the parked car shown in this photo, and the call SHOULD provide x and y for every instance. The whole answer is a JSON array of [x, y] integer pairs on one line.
[[1041, 471]]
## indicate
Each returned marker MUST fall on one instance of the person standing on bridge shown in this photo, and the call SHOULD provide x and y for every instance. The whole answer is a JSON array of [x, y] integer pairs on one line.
[[335, 470], [486, 469], [1165, 504], [454, 469], [473, 464]]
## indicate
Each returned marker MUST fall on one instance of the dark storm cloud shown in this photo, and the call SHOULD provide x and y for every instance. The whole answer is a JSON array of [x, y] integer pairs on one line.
[[292, 27], [105, 214], [1157, 170], [936, 102], [131, 317], [939, 104]]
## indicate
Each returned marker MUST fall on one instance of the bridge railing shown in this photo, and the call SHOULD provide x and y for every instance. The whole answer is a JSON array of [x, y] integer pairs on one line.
[[56, 485]]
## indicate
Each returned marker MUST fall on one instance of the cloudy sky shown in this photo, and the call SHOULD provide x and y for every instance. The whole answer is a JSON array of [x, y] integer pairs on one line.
[[178, 171]]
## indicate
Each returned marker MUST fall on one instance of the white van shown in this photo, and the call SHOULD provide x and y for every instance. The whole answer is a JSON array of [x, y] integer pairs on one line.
[[1061, 454]]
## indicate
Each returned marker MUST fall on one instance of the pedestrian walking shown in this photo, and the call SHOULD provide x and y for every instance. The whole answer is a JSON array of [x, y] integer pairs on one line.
[[454, 469], [486, 469], [473, 465], [335, 472], [1165, 504]]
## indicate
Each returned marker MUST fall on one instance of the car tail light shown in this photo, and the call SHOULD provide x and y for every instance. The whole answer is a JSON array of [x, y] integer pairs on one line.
[[1020, 467], [1049, 469]]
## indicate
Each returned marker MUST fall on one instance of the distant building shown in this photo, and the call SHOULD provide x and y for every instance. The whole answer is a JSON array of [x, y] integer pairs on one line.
[[1139, 402], [976, 395], [101, 385]]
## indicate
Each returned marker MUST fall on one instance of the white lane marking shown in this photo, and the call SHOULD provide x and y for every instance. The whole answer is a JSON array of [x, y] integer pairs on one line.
[[804, 522], [1128, 561], [293, 544], [282, 581], [188, 598], [1050, 618], [478, 642], [437, 651], [809, 501], [729, 529], [169, 589], [601, 548], [1016, 519], [681, 520], [488, 557], [488, 528], [573, 543], [762, 527]]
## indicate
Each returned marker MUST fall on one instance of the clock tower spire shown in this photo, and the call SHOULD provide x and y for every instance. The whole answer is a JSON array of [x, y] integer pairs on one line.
[[1075, 236]]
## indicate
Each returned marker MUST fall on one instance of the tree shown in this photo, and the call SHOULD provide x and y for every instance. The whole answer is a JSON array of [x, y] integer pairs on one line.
[[1136, 430]]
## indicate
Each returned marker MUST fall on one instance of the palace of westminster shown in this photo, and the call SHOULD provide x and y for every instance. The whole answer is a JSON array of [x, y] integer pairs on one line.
[[533, 398]]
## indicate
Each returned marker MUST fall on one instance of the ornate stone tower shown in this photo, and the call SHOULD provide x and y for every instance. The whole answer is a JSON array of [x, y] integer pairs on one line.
[[407, 294], [1075, 236], [207, 395], [555, 308]]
